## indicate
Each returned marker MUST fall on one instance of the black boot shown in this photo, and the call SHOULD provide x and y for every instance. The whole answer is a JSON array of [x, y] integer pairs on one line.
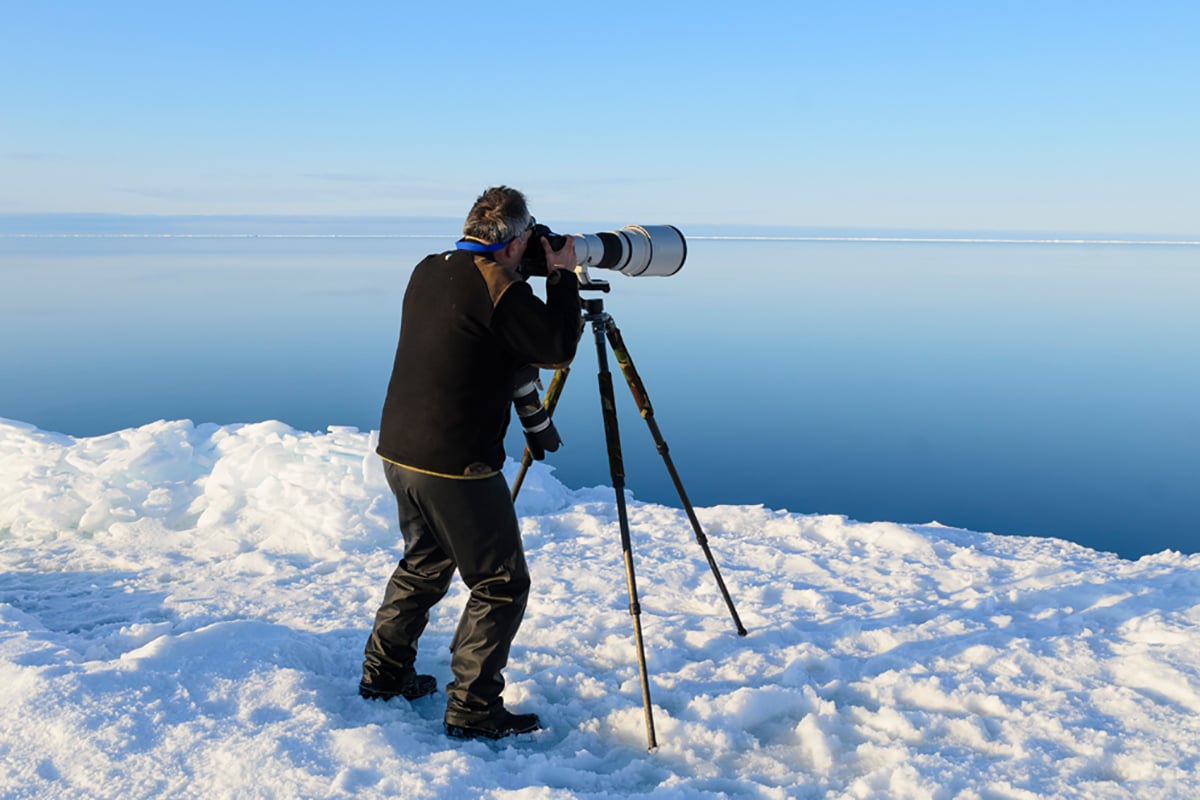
[[412, 687], [496, 725]]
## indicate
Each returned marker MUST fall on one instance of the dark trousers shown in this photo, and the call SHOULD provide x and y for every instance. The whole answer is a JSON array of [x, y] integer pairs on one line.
[[447, 524]]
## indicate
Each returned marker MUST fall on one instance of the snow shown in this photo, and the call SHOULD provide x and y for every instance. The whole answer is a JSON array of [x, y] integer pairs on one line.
[[183, 609]]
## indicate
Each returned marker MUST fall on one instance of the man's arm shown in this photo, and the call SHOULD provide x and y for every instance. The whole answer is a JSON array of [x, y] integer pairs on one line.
[[542, 333]]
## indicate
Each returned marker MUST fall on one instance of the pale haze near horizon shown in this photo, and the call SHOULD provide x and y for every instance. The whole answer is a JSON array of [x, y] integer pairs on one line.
[[1071, 116]]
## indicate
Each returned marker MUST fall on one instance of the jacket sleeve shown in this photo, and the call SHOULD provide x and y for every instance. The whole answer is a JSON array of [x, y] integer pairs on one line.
[[536, 332]]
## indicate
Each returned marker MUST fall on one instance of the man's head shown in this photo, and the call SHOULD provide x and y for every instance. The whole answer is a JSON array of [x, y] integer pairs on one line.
[[499, 215]]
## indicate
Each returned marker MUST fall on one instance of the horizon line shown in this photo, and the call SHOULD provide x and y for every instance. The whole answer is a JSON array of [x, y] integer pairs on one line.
[[699, 237], [949, 240]]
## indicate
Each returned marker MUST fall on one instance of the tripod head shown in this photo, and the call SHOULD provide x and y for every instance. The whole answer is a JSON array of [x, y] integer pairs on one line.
[[589, 284]]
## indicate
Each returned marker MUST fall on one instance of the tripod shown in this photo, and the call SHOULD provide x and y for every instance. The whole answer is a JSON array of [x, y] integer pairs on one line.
[[605, 329]]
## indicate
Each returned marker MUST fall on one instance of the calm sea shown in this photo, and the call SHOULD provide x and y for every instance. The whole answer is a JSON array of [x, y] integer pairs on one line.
[[1025, 388]]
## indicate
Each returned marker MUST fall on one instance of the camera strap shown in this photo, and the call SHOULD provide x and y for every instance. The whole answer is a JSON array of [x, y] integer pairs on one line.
[[480, 247]]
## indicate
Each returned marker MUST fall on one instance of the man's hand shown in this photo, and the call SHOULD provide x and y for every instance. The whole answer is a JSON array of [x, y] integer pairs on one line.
[[559, 259]]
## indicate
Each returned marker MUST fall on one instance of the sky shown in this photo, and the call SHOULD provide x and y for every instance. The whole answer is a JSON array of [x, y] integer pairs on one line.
[[1008, 116]]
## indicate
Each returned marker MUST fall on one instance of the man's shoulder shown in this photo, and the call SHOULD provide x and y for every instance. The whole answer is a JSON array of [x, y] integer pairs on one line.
[[451, 259], [452, 267], [472, 281]]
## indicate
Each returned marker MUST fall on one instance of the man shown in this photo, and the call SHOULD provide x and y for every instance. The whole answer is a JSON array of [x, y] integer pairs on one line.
[[469, 323]]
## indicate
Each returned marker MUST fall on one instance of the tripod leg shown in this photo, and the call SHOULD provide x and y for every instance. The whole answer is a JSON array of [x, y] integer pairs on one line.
[[647, 411], [549, 401], [617, 470]]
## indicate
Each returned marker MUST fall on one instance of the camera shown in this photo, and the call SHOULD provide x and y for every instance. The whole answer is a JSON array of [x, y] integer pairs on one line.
[[633, 250]]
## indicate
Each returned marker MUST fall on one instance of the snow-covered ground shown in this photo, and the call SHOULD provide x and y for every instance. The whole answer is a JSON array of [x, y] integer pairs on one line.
[[182, 612]]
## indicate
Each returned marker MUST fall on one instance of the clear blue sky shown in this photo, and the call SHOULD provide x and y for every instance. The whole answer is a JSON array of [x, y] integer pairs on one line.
[[1031, 116]]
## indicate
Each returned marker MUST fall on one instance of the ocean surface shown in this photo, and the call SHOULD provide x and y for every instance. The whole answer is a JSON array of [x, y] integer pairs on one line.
[[1009, 387]]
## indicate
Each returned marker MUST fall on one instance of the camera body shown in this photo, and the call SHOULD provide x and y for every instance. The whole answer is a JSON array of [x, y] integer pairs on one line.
[[633, 250]]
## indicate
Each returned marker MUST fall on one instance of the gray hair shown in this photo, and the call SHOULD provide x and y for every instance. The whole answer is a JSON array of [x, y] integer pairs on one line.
[[499, 214]]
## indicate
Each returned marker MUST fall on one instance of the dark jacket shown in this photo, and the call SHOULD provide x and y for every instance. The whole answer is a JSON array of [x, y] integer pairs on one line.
[[467, 325]]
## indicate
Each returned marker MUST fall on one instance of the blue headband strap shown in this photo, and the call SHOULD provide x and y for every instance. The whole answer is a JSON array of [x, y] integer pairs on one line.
[[480, 247]]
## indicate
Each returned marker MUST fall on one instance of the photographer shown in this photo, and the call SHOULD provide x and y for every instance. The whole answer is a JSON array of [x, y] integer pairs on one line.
[[469, 323]]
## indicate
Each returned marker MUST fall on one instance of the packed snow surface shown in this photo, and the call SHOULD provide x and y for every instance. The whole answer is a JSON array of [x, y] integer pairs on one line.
[[183, 609]]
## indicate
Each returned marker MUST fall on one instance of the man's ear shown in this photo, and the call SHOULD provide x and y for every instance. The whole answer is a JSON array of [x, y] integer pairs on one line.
[[511, 252]]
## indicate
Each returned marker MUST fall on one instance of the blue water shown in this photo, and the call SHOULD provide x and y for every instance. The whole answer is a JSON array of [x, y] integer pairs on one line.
[[1014, 388]]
